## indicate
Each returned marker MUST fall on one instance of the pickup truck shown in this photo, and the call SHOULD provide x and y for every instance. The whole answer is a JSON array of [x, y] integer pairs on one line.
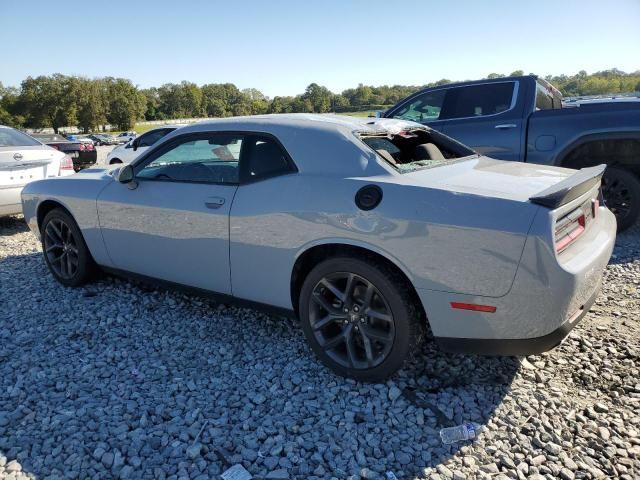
[[524, 119]]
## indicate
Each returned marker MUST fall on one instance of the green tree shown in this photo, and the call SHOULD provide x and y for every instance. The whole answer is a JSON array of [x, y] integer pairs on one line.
[[49, 101], [126, 103], [92, 104], [318, 97]]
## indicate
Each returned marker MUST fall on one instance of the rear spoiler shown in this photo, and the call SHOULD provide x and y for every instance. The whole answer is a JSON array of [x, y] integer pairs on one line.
[[570, 188]]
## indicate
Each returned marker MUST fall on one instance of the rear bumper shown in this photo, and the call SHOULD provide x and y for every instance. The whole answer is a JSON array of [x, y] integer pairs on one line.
[[518, 346], [85, 159], [548, 297], [10, 203]]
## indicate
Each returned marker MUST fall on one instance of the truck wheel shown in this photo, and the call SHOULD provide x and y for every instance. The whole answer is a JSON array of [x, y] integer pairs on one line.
[[358, 318], [621, 192]]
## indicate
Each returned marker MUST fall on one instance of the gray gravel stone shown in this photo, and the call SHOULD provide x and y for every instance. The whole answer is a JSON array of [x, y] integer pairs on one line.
[[118, 380]]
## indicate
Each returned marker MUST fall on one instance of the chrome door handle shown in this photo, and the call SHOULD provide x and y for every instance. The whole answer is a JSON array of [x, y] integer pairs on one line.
[[504, 126], [214, 202]]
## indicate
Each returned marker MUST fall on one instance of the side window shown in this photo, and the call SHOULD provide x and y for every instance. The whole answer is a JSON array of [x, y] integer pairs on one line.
[[263, 157], [478, 100], [150, 138], [546, 98], [210, 159], [423, 108]]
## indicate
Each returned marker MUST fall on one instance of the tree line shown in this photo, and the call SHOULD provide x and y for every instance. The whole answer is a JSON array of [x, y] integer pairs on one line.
[[91, 104]]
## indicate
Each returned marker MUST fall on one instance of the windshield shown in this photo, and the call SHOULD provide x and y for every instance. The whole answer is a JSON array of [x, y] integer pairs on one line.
[[415, 149], [14, 138], [51, 138]]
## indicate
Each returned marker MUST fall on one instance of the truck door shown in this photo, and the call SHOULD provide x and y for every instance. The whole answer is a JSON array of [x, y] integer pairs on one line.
[[487, 117]]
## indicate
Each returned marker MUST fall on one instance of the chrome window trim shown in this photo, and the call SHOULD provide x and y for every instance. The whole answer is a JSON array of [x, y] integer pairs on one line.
[[514, 100]]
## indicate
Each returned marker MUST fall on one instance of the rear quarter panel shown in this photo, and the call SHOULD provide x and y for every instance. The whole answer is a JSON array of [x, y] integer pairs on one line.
[[441, 240]]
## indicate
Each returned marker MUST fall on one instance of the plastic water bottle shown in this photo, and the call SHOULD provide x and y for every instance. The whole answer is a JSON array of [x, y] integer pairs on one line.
[[466, 431]]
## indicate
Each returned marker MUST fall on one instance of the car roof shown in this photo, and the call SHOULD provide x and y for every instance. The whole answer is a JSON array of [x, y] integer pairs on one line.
[[317, 143], [297, 121]]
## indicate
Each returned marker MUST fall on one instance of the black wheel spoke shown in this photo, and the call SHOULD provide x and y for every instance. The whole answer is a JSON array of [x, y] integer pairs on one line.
[[324, 303], [379, 315], [374, 334], [367, 348], [333, 342], [322, 323], [333, 289], [351, 349]]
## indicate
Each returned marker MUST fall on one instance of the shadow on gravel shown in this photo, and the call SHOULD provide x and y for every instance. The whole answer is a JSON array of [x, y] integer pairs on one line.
[[117, 380], [12, 225]]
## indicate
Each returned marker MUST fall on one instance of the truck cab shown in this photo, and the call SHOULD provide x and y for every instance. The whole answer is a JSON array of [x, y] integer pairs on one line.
[[523, 119]]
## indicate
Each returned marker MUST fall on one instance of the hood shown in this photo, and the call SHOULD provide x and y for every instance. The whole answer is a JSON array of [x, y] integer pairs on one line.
[[491, 178], [93, 173]]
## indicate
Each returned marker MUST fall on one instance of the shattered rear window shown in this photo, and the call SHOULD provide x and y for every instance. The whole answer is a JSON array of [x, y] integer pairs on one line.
[[415, 149]]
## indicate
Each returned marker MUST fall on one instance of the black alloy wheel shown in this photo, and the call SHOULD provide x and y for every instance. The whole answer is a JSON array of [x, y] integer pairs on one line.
[[359, 317], [65, 251]]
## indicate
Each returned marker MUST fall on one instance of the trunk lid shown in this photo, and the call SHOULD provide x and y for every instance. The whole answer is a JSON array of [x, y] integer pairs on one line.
[[21, 165], [492, 178]]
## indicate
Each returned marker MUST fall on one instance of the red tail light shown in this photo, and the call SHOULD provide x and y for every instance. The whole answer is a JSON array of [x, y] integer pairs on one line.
[[572, 225], [65, 164]]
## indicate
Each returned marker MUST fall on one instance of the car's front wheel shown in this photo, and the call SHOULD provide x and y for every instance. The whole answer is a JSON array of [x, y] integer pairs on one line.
[[65, 252], [359, 318]]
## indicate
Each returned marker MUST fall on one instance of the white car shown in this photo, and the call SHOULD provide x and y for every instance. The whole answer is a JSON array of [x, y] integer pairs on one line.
[[125, 137], [24, 159], [130, 151], [372, 232]]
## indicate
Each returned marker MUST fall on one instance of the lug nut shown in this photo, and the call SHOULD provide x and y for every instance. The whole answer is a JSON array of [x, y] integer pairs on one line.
[[346, 310], [356, 308]]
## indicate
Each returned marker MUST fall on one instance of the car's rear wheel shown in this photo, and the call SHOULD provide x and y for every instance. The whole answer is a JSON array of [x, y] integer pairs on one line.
[[65, 252], [621, 192], [359, 318]]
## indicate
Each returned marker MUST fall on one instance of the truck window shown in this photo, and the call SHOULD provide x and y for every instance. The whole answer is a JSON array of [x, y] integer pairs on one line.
[[545, 98], [478, 100], [422, 108]]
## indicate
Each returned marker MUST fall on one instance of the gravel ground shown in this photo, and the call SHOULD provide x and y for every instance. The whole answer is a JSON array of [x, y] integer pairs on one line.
[[120, 381]]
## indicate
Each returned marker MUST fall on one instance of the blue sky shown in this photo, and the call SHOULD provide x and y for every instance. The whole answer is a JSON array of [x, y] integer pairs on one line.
[[281, 46]]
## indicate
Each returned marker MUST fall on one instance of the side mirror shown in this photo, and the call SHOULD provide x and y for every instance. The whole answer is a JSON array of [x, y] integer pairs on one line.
[[134, 144], [380, 113], [125, 175]]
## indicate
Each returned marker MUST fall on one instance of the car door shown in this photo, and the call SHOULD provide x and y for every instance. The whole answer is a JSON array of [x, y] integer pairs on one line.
[[172, 221], [486, 117]]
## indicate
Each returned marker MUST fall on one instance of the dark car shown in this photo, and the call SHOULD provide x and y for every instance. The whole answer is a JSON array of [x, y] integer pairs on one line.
[[83, 154], [524, 119], [102, 139]]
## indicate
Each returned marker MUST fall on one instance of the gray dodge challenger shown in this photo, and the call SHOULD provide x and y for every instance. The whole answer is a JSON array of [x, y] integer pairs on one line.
[[374, 232]]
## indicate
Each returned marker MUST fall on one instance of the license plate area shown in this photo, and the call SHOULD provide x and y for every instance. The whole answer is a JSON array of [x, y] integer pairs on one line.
[[11, 177]]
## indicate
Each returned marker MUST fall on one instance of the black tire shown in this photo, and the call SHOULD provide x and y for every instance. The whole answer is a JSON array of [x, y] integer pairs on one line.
[[61, 238], [115, 161], [390, 343], [621, 192]]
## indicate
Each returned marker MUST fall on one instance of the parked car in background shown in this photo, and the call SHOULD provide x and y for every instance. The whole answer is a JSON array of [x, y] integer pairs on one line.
[[523, 119], [103, 139], [125, 137], [24, 159], [128, 152], [416, 229], [83, 154]]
